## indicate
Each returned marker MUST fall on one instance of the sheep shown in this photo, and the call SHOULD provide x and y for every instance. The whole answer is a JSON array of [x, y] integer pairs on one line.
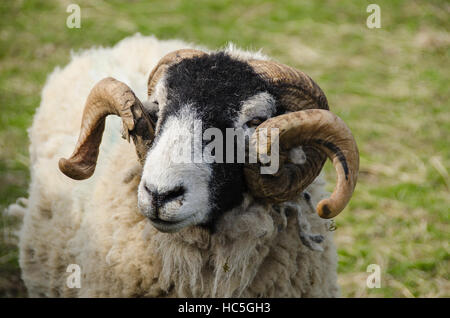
[[139, 225]]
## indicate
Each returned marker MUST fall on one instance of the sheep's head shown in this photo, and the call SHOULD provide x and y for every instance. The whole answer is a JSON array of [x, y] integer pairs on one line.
[[192, 92]]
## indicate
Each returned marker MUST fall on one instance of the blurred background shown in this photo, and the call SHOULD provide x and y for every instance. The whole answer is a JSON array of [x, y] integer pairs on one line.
[[389, 84]]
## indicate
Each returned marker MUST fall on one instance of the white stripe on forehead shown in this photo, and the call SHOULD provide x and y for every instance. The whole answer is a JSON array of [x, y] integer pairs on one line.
[[261, 105]]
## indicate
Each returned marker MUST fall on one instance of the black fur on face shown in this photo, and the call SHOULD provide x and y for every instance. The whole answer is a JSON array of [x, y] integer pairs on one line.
[[215, 86]]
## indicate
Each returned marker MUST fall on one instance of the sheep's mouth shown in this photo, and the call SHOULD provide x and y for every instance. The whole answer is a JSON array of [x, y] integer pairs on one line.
[[162, 222], [168, 226]]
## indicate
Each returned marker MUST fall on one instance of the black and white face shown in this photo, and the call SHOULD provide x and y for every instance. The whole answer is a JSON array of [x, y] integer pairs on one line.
[[196, 95]]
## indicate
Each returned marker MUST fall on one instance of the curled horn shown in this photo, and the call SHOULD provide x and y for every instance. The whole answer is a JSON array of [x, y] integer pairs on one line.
[[320, 130], [107, 97], [112, 97], [310, 125]]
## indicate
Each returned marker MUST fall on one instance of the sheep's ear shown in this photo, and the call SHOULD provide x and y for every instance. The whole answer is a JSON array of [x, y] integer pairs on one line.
[[143, 133], [152, 110], [145, 118]]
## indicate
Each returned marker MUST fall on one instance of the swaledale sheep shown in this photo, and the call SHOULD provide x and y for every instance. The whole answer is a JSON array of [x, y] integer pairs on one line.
[[143, 225]]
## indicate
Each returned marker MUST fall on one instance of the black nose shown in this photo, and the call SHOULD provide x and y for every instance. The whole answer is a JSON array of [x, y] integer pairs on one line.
[[161, 198]]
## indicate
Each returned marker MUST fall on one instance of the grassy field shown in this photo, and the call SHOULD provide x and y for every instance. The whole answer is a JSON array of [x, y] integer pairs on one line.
[[390, 85]]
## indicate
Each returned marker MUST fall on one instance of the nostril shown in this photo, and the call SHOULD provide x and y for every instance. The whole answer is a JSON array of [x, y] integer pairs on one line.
[[160, 198], [172, 194]]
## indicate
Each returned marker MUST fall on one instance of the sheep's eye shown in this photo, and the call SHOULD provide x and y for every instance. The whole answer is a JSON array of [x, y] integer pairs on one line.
[[254, 122]]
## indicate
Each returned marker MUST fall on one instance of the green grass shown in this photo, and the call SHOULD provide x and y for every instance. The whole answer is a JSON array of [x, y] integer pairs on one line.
[[390, 85]]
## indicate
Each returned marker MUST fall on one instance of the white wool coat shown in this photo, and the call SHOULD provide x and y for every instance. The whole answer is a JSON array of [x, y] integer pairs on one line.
[[95, 223]]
